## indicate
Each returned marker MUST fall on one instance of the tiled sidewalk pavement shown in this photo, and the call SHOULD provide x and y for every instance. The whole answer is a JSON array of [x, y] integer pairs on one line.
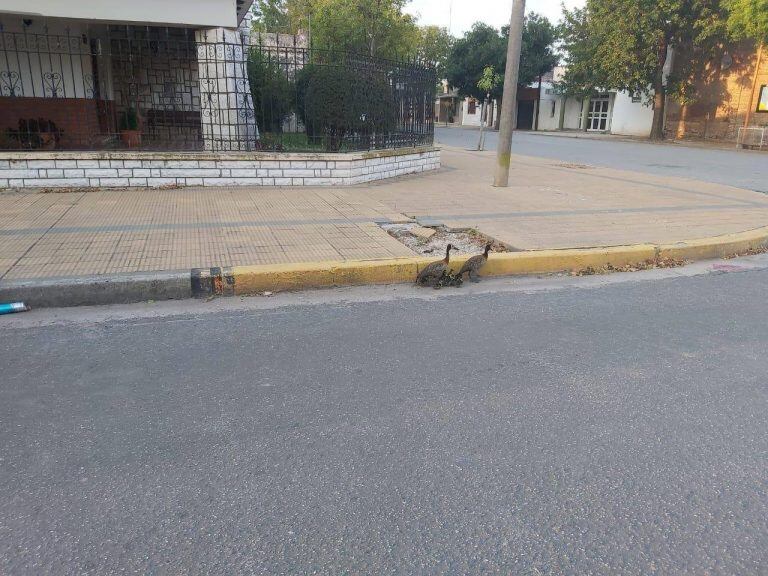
[[113, 231], [549, 205], [552, 204]]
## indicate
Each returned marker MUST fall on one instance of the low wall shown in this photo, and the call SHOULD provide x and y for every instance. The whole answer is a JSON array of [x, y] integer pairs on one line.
[[155, 169]]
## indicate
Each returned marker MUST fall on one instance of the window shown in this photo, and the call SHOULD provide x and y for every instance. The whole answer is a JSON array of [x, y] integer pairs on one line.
[[762, 101], [472, 106], [637, 98]]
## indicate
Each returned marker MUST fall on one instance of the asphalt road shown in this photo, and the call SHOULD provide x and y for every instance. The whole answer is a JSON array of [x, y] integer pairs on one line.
[[740, 168], [575, 427]]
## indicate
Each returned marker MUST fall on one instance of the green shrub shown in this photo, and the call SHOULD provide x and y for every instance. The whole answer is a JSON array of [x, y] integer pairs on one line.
[[338, 104], [272, 91]]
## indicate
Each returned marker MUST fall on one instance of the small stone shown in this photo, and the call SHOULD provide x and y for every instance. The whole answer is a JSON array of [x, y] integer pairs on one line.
[[422, 232]]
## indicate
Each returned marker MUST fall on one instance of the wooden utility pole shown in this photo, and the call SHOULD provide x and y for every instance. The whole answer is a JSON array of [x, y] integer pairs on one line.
[[509, 97]]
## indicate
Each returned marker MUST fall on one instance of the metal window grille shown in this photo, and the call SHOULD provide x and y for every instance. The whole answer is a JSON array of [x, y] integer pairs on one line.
[[152, 88]]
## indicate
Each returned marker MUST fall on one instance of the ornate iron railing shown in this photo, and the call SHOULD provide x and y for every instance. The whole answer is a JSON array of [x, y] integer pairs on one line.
[[312, 99], [120, 87]]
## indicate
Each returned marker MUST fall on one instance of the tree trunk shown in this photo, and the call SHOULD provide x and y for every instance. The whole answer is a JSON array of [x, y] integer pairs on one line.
[[659, 93], [585, 114], [489, 114], [561, 119], [483, 112], [538, 108], [659, 101], [497, 122]]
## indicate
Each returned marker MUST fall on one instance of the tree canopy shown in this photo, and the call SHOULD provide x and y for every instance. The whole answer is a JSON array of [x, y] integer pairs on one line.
[[271, 16], [376, 27], [538, 53], [748, 19], [434, 47], [485, 46]]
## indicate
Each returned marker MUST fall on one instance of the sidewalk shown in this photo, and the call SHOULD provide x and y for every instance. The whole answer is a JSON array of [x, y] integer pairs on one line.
[[549, 205]]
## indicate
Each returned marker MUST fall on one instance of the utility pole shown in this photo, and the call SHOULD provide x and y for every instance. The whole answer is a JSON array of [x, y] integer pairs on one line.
[[509, 97], [752, 105]]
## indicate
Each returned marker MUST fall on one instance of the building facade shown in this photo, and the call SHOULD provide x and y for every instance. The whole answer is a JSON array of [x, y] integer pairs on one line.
[[95, 75], [609, 112], [731, 101]]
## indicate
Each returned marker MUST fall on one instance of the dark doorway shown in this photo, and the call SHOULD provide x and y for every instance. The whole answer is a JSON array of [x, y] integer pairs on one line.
[[525, 114]]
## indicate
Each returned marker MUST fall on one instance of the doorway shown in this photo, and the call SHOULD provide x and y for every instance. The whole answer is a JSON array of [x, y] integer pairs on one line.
[[525, 114], [599, 111]]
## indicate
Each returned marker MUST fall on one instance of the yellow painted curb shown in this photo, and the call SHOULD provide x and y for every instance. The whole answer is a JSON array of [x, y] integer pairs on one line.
[[716, 246], [285, 277], [299, 276], [246, 280]]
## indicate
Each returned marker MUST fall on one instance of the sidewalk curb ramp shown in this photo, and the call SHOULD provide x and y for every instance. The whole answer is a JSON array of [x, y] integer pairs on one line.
[[250, 280]]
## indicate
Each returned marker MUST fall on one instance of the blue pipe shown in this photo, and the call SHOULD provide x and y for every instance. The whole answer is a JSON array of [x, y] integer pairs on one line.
[[12, 307]]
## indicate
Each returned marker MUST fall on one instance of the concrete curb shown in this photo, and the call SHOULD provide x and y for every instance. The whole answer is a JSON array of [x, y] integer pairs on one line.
[[96, 290], [248, 280]]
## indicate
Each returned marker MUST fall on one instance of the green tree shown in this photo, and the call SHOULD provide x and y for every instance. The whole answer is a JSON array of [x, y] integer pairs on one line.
[[748, 19], [488, 81], [434, 47], [270, 16], [484, 46], [537, 56], [625, 45], [582, 76], [374, 27]]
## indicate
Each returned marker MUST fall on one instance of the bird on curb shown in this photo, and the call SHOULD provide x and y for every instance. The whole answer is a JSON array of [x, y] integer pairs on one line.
[[474, 265], [435, 271]]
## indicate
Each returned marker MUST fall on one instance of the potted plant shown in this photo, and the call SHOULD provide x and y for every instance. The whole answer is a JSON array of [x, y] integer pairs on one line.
[[130, 133]]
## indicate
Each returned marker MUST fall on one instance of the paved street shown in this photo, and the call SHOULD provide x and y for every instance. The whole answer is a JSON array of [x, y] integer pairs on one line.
[[601, 425], [740, 168]]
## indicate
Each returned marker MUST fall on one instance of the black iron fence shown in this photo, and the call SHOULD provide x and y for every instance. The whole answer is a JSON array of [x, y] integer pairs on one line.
[[311, 99], [127, 87]]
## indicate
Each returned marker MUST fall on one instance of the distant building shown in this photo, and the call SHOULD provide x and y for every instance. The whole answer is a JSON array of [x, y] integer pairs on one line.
[[610, 112], [448, 105], [731, 95]]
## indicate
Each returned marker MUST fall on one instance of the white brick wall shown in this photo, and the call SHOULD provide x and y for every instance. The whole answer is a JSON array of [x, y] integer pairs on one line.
[[146, 169]]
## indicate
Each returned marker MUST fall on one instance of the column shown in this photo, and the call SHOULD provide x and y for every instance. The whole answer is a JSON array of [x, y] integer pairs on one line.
[[226, 107]]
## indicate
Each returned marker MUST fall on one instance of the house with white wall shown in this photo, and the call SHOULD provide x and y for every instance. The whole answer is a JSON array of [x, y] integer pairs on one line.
[[82, 74], [151, 93], [612, 112]]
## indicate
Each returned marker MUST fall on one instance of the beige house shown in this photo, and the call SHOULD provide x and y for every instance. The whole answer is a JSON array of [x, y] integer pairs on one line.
[[731, 102]]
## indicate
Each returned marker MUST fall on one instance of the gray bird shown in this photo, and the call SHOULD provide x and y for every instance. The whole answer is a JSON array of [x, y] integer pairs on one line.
[[475, 264], [433, 272]]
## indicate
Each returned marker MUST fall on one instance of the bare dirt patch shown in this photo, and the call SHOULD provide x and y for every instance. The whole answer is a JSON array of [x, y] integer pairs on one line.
[[465, 241]]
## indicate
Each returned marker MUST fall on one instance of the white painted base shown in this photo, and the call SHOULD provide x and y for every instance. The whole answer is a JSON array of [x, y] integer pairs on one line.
[[156, 169]]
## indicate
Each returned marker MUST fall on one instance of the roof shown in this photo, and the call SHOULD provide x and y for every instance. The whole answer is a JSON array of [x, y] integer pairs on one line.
[[242, 8]]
